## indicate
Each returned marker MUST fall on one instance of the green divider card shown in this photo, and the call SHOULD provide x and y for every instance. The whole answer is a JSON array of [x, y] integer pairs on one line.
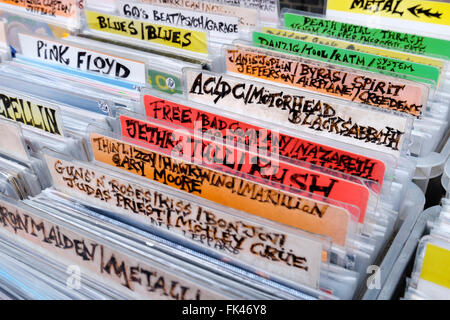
[[164, 82], [349, 58], [378, 37]]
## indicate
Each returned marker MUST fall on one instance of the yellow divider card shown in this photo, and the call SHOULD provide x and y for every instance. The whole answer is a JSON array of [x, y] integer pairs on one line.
[[185, 39]]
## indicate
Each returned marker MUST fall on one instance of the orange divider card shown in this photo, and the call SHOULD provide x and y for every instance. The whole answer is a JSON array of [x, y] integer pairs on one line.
[[285, 145], [231, 191]]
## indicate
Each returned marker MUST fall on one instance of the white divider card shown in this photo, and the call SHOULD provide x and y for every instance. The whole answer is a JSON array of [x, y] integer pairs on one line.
[[290, 256], [269, 9], [300, 110], [41, 116], [67, 54], [353, 85], [259, 169], [220, 27], [12, 142], [424, 17], [248, 18], [129, 271], [64, 12], [431, 273]]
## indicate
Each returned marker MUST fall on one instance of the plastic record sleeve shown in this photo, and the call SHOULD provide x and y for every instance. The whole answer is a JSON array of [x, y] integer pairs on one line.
[[13, 143], [14, 148], [72, 96], [29, 275], [66, 80]]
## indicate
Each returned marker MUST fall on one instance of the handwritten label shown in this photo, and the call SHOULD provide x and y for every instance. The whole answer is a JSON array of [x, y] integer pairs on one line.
[[379, 92], [372, 36], [190, 40], [60, 8], [264, 248], [12, 142], [68, 55], [298, 110], [423, 11], [436, 265], [101, 259], [231, 191], [269, 9], [218, 26], [242, 133], [256, 166], [349, 58], [356, 47], [248, 18], [30, 113]]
